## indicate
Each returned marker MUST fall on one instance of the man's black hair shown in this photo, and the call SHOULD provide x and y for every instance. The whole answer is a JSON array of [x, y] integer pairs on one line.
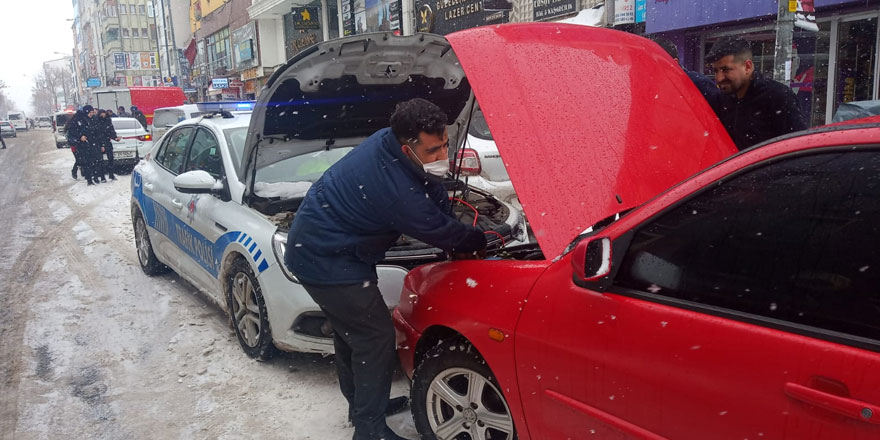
[[667, 45], [739, 47], [416, 116]]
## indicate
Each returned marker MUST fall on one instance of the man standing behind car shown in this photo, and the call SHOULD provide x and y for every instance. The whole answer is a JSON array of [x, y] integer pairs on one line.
[[123, 113], [752, 108], [391, 184]]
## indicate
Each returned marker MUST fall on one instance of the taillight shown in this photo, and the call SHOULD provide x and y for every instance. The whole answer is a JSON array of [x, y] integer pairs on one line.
[[470, 162], [144, 138]]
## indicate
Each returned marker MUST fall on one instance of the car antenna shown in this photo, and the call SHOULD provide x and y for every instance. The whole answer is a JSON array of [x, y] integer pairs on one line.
[[467, 128]]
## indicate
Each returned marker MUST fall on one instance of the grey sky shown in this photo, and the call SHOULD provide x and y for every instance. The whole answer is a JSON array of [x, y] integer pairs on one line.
[[31, 30]]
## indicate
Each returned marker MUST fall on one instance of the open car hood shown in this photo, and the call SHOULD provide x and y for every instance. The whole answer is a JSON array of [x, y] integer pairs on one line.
[[339, 92], [589, 121]]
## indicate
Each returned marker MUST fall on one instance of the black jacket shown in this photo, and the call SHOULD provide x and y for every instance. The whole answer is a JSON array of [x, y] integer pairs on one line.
[[139, 115], [104, 131], [361, 205], [768, 109]]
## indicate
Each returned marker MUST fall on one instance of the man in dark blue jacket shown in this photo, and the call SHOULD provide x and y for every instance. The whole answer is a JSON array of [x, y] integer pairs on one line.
[[391, 184]]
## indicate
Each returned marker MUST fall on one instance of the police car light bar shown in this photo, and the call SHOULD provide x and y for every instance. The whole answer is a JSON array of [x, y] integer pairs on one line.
[[217, 106]]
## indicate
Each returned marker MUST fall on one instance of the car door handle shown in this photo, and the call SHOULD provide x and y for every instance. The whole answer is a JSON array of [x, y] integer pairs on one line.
[[177, 203], [148, 186], [852, 408]]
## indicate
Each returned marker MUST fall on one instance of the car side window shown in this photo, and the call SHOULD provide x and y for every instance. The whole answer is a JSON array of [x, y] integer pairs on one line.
[[794, 240], [173, 153], [205, 154]]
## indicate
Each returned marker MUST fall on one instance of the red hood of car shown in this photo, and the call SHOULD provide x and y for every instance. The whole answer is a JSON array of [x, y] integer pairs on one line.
[[588, 121]]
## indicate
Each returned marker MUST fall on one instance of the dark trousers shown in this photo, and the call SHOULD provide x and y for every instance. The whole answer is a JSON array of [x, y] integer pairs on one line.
[[76, 161], [90, 161], [365, 351], [3, 141], [108, 165]]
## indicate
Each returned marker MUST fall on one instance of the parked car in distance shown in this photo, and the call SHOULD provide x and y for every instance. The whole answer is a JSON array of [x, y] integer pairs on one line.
[[59, 130], [481, 164], [166, 117], [7, 129], [44, 121], [134, 143], [739, 301]]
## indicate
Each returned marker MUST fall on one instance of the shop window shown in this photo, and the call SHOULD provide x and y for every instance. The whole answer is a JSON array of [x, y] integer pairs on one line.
[[856, 56]]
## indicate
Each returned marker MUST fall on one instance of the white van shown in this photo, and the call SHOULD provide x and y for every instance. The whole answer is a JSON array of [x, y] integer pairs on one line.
[[166, 117], [58, 124], [18, 120]]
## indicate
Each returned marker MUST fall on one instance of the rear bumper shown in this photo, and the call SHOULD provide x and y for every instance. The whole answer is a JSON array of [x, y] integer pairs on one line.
[[407, 337]]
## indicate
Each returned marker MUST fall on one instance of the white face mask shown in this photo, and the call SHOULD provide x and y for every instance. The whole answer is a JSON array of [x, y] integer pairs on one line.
[[437, 168]]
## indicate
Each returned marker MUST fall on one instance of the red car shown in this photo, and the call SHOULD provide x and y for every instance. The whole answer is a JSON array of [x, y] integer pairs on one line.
[[743, 302]]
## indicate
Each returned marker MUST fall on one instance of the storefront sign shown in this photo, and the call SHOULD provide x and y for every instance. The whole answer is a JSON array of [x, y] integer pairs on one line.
[[805, 15], [624, 12], [93, 82], [667, 15], [296, 40], [250, 74], [243, 47], [641, 10], [220, 83], [547, 9], [446, 16], [306, 19], [135, 60]]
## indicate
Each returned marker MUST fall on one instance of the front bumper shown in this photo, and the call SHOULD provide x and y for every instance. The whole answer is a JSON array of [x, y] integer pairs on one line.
[[407, 338]]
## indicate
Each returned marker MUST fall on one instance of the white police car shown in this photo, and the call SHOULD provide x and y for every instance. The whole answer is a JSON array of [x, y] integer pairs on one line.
[[215, 197]]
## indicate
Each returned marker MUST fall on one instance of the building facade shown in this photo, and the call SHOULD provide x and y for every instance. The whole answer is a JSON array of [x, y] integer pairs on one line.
[[117, 43]]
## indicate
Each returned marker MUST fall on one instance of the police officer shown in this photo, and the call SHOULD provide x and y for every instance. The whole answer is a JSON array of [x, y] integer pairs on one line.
[[752, 108], [390, 184], [105, 133]]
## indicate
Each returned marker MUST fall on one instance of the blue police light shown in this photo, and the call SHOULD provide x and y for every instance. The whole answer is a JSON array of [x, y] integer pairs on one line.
[[216, 106]]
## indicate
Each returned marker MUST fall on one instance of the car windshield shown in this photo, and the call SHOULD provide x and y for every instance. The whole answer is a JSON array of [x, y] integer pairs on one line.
[[303, 168], [163, 118], [235, 138], [479, 128], [126, 124], [60, 120], [14, 117]]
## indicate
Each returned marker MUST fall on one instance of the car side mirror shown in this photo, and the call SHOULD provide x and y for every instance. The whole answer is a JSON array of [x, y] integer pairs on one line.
[[197, 182], [591, 258]]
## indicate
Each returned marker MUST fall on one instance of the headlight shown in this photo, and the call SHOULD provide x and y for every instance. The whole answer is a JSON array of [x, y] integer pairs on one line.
[[279, 244]]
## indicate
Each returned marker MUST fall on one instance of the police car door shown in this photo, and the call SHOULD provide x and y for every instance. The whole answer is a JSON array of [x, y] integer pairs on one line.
[[160, 202], [202, 213]]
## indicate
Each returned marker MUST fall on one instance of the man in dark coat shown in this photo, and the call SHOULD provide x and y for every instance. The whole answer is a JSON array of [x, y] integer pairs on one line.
[[391, 184], [752, 108], [105, 133], [83, 142], [139, 115], [704, 84], [122, 113]]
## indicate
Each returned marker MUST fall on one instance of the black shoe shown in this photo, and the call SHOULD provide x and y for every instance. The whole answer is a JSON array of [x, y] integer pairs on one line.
[[103, 180], [89, 182], [112, 177], [396, 405], [73, 173]]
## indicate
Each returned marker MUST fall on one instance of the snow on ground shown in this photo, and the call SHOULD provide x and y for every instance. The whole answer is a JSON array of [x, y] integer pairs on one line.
[[96, 349]]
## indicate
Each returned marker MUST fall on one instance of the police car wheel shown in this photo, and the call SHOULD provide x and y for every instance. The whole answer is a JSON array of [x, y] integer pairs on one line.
[[149, 263], [244, 298], [454, 392]]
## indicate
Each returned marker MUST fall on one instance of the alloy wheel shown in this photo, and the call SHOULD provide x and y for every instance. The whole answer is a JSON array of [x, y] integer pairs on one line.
[[246, 310], [463, 404]]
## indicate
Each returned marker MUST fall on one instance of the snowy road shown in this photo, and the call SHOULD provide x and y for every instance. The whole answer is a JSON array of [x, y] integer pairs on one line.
[[90, 347]]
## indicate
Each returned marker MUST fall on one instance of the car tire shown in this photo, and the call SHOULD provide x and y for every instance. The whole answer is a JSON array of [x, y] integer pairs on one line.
[[59, 145], [442, 385], [247, 310], [147, 258]]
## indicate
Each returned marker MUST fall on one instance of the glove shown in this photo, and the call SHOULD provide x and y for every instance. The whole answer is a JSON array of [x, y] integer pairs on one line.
[[72, 149]]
